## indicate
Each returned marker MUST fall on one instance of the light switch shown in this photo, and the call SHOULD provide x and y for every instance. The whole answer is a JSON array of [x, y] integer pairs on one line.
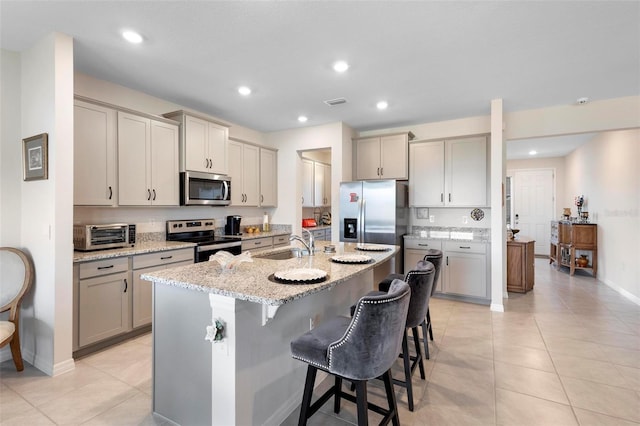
[[432, 218], [465, 219]]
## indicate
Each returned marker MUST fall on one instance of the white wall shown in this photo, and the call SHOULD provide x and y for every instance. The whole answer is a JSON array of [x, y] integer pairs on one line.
[[606, 171], [45, 206]]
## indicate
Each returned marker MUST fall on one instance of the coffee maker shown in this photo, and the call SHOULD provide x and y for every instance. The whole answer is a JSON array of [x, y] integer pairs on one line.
[[233, 225]]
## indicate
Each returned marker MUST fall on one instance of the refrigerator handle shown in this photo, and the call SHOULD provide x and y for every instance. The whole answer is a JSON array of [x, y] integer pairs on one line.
[[361, 220]]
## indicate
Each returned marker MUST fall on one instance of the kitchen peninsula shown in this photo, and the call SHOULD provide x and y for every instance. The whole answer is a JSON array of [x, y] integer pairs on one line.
[[248, 377]]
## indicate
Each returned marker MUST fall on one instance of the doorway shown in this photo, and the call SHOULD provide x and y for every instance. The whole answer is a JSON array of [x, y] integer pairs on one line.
[[534, 204]]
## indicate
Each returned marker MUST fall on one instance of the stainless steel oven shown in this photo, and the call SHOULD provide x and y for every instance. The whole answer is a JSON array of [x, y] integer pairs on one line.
[[207, 189], [201, 232]]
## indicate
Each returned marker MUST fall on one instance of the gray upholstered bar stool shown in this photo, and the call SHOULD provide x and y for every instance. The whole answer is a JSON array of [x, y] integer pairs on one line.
[[420, 280], [434, 256], [357, 349]]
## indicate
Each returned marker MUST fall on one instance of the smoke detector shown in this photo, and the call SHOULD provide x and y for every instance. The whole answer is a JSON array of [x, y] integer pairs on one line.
[[337, 101], [582, 101]]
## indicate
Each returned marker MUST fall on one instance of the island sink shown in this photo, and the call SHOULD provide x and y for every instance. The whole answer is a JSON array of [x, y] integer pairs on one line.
[[283, 255]]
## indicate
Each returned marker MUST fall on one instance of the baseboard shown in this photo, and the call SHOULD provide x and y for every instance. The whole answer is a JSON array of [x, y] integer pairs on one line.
[[285, 410], [46, 366], [497, 307], [632, 297]]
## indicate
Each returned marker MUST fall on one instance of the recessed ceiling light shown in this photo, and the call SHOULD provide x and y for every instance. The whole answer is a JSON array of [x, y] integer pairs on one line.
[[244, 90], [533, 152], [302, 119], [132, 37], [382, 105], [340, 66]]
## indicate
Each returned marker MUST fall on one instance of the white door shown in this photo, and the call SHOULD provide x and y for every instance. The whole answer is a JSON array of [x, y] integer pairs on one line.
[[533, 200]]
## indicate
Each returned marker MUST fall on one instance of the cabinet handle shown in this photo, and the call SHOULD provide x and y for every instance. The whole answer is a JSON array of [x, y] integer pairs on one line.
[[105, 267], [442, 197], [210, 163], [449, 197], [381, 171], [261, 198], [447, 260], [302, 200], [166, 257], [126, 285], [423, 245], [110, 193], [257, 243], [378, 171], [148, 194], [465, 247], [154, 195]]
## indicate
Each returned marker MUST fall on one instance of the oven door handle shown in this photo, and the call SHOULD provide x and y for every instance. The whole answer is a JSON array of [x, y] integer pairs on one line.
[[219, 246]]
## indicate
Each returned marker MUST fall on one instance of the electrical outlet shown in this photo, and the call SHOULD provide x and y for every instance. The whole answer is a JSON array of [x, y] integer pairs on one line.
[[432, 218], [465, 219]]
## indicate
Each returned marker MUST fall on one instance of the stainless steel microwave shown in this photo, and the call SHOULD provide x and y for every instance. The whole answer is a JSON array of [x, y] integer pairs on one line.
[[207, 189]]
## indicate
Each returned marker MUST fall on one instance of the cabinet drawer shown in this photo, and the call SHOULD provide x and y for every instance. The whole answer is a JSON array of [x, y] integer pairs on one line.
[[420, 244], [465, 247], [318, 233], [104, 267], [280, 240], [257, 243], [162, 258]]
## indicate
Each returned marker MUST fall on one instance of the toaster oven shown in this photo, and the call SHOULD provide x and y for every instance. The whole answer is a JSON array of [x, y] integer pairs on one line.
[[99, 237]]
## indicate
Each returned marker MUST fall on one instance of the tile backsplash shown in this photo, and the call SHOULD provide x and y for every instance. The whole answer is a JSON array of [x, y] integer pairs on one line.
[[449, 217]]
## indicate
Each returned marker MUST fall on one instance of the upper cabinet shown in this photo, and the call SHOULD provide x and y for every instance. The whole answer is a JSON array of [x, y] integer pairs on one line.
[[382, 157], [451, 173], [316, 184], [147, 161], [94, 153], [244, 163], [268, 177], [203, 143]]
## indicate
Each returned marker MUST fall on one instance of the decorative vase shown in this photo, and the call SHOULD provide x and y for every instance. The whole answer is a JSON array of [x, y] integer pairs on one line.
[[582, 261]]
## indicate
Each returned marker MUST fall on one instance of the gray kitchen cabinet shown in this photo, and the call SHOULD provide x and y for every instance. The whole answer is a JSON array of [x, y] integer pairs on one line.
[[141, 306], [281, 240], [316, 184], [244, 164], [268, 178], [415, 250], [451, 173], [465, 269], [203, 143], [94, 155], [257, 243], [103, 300], [382, 157], [147, 161]]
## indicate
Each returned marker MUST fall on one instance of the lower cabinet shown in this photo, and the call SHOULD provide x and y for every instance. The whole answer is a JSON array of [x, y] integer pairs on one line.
[[319, 234], [464, 270], [111, 300], [520, 265]]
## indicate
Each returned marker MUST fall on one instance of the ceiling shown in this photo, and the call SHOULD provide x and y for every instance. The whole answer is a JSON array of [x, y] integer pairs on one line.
[[429, 60]]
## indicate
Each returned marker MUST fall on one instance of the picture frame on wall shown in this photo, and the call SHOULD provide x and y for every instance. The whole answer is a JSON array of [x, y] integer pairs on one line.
[[35, 157]]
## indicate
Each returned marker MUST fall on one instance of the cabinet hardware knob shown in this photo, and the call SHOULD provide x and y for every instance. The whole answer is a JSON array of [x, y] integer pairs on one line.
[[105, 267], [126, 285], [148, 194], [154, 195], [110, 192]]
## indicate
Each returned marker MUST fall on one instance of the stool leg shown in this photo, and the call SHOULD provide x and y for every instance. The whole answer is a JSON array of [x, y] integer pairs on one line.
[[361, 400], [336, 395], [416, 341], [429, 325], [424, 340], [306, 397], [407, 369], [391, 398]]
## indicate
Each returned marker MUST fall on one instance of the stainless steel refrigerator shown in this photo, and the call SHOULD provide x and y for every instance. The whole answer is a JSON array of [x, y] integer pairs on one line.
[[374, 211]]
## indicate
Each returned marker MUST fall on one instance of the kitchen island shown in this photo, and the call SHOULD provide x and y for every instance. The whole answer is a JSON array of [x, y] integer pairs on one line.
[[248, 377]]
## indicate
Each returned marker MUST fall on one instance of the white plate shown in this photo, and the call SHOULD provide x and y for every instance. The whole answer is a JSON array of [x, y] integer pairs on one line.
[[301, 275], [371, 247], [351, 258]]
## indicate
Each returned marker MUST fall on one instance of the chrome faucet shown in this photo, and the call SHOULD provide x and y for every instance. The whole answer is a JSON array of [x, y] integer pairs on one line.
[[311, 247]]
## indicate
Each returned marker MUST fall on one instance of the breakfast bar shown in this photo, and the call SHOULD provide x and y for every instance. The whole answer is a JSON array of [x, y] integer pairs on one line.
[[241, 372]]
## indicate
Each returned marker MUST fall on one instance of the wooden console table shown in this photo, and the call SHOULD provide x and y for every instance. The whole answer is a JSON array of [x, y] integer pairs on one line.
[[520, 267], [570, 239]]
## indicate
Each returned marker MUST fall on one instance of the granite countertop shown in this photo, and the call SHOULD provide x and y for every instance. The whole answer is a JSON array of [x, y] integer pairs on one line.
[[139, 248], [480, 235], [250, 280]]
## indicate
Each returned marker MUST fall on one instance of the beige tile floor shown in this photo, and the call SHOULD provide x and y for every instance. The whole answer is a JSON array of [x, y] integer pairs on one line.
[[567, 353]]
